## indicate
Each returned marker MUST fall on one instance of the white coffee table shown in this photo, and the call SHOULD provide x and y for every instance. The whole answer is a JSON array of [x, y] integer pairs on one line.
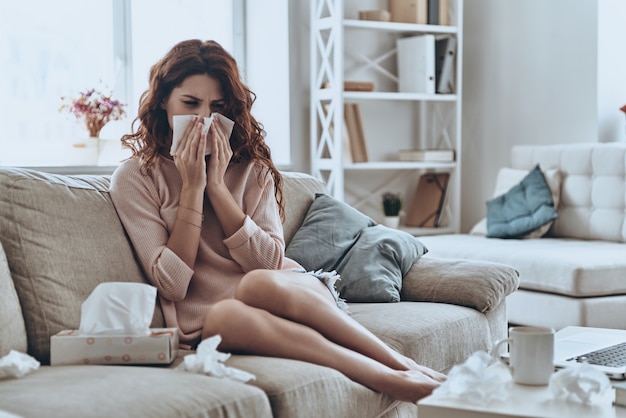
[[524, 401]]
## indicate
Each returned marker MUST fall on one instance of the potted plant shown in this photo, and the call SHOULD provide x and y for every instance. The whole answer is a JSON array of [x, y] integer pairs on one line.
[[392, 205]]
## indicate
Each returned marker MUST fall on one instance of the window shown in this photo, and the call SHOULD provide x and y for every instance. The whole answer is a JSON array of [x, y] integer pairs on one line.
[[70, 46]]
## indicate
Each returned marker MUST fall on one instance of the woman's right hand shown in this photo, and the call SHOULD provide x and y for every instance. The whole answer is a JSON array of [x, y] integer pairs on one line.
[[189, 157]]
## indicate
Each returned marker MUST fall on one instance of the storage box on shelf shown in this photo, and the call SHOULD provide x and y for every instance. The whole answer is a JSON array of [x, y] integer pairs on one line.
[[346, 49]]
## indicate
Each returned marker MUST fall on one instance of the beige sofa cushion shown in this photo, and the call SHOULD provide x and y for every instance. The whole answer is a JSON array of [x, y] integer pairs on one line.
[[12, 331], [476, 284], [123, 391], [62, 237], [305, 390]]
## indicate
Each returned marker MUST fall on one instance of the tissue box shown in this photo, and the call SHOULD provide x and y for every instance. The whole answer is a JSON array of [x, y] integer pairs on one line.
[[72, 347]]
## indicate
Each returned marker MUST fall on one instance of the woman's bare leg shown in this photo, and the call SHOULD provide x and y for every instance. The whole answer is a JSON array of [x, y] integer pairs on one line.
[[304, 299], [245, 329]]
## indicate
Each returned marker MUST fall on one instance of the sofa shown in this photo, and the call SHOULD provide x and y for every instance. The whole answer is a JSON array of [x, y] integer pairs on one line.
[[60, 237], [575, 273]]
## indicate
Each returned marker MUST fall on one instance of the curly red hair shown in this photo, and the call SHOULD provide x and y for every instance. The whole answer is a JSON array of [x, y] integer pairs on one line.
[[152, 138]]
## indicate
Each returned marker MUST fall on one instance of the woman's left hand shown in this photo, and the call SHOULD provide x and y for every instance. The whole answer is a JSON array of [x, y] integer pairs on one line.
[[228, 212], [221, 153]]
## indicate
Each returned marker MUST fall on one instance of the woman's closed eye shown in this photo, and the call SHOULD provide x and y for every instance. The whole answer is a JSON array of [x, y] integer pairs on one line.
[[216, 107]]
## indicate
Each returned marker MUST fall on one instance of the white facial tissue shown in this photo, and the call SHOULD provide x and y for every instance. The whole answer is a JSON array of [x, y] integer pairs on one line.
[[580, 382], [118, 308], [209, 361], [16, 364], [479, 380], [180, 123]]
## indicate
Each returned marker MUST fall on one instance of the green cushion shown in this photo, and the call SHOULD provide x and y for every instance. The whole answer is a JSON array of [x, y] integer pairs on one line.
[[523, 209]]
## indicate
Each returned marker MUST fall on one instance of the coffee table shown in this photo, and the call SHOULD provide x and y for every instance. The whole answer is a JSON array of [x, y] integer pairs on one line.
[[524, 401]]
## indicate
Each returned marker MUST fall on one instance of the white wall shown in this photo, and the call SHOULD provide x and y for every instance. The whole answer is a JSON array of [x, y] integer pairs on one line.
[[527, 80], [537, 72], [611, 69], [530, 76]]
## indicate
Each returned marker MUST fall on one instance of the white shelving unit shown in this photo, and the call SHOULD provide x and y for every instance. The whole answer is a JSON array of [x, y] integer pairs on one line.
[[345, 48]]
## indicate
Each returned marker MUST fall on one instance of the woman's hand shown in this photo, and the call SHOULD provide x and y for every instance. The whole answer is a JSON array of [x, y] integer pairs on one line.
[[189, 160], [228, 212], [189, 157], [221, 153]]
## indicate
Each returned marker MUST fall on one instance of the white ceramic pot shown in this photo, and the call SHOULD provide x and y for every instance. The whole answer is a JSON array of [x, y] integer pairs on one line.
[[391, 221]]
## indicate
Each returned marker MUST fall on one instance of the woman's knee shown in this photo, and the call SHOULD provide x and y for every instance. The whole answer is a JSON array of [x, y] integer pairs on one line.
[[220, 317], [257, 284]]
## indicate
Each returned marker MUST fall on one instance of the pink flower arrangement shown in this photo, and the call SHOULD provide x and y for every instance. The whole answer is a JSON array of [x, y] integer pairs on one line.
[[623, 108], [95, 108]]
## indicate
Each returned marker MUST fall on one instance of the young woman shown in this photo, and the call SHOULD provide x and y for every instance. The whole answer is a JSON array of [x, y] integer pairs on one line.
[[208, 232]]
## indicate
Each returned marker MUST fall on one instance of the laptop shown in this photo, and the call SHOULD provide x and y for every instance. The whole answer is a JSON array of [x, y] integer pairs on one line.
[[603, 348]]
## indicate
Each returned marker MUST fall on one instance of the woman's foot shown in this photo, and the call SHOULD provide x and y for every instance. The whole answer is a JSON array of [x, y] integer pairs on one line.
[[411, 385]]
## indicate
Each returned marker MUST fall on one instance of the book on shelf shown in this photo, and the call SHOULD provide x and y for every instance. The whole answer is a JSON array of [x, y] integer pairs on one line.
[[427, 204], [353, 85], [354, 122], [433, 12], [444, 12], [433, 155], [438, 11], [416, 64], [445, 51], [346, 153]]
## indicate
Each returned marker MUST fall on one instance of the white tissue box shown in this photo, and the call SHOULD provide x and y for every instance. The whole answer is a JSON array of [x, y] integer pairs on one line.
[[72, 347]]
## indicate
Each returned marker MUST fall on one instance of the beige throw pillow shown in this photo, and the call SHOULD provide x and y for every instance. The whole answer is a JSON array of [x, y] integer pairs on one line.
[[509, 177]]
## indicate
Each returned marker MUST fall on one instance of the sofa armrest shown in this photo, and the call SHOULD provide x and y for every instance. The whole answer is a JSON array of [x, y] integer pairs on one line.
[[481, 285]]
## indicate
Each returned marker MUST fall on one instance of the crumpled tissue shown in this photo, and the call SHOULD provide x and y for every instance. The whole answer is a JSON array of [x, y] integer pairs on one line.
[[180, 123], [16, 364], [118, 308], [581, 383], [476, 381], [209, 361]]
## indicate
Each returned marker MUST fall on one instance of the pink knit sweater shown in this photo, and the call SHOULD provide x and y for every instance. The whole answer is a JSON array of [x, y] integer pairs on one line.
[[147, 205]]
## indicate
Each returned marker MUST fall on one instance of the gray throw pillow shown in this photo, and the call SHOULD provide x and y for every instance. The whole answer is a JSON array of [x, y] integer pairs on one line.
[[329, 229], [373, 269], [371, 259], [524, 208]]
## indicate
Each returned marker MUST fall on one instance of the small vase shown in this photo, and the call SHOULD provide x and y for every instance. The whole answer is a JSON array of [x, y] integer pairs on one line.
[[391, 221], [91, 142]]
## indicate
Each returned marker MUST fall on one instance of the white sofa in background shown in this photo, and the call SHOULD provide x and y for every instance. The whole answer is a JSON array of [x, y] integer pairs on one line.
[[576, 273]]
